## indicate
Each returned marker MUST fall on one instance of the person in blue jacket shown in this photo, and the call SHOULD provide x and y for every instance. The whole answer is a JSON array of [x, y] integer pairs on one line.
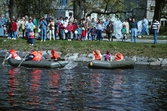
[[43, 27]]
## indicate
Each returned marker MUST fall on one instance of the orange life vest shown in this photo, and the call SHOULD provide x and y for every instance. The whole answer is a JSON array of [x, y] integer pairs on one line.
[[119, 56], [14, 54], [97, 55], [55, 55], [37, 55]]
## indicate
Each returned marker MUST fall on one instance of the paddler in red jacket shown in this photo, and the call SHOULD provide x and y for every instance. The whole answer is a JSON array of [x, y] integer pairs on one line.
[[35, 56], [54, 55], [13, 54]]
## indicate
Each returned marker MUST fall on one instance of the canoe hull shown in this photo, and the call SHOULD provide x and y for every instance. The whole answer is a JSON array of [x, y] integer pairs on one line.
[[38, 64], [111, 64]]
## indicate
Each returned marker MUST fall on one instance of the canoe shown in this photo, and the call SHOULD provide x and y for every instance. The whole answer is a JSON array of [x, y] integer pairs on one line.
[[39, 64], [111, 64]]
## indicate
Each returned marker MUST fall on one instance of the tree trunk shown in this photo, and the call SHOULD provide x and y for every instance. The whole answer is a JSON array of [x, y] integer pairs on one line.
[[77, 10], [159, 5]]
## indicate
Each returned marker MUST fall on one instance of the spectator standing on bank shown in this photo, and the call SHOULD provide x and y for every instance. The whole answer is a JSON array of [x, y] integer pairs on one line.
[[51, 26], [22, 25], [87, 28], [9, 28], [109, 30], [79, 31], [124, 33], [144, 26], [155, 28], [32, 37], [126, 23], [99, 28], [61, 28], [92, 23], [83, 34], [93, 33], [14, 29], [106, 22], [35, 22], [134, 27], [43, 27], [75, 25], [29, 27], [69, 28]]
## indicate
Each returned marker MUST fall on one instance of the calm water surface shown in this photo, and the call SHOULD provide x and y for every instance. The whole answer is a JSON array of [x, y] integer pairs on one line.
[[82, 89]]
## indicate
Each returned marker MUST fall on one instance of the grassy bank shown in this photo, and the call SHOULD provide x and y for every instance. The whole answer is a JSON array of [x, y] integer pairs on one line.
[[64, 46]]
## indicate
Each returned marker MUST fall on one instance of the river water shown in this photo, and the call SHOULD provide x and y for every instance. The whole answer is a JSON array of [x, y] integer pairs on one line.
[[83, 89]]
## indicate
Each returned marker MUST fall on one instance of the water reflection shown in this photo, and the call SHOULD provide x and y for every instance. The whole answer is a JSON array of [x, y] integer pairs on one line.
[[95, 82], [12, 85], [117, 84], [81, 89], [117, 90], [54, 76], [35, 85]]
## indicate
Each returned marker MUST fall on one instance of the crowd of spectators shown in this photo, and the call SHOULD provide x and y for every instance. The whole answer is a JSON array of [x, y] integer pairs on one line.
[[64, 28]]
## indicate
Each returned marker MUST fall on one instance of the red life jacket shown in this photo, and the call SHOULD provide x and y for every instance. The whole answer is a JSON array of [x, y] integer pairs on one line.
[[119, 56], [14, 54], [55, 55], [97, 55], [37, 55]]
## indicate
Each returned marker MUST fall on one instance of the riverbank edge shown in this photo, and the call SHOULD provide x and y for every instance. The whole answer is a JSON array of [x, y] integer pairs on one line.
[[78, 57]]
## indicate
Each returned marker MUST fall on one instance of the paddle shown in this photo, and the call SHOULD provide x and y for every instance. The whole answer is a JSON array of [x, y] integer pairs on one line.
[[22, 60], [4, 59]]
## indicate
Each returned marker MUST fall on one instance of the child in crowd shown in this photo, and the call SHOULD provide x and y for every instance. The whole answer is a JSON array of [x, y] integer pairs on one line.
[[124, 33], [83, 34], [108, 56], [79, 31], [32, 38], [93, 33]]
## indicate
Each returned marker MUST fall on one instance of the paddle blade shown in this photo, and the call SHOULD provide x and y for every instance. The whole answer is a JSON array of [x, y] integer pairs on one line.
[[3, 62]]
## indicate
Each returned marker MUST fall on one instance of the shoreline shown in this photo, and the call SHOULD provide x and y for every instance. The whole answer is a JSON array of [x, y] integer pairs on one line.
[[78, 57]]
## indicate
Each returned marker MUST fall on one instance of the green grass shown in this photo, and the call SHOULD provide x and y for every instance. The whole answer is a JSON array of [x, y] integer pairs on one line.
[[85, 47]]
